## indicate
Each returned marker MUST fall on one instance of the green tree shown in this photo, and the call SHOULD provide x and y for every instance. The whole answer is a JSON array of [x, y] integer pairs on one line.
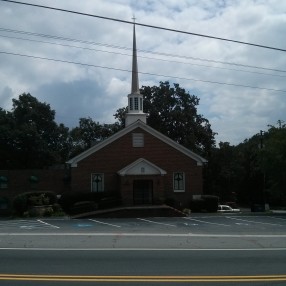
[[223, 172], [273, 161], [7, 139], [89, 133], [34, 139]]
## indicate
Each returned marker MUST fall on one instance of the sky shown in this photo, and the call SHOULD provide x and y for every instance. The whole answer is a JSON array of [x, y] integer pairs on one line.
[[81, 65]]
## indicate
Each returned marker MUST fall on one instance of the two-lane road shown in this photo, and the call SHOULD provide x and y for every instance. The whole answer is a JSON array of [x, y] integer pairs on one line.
[[200, 250]]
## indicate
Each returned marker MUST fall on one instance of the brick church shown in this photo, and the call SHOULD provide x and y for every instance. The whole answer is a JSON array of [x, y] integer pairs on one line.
[[140, 163]]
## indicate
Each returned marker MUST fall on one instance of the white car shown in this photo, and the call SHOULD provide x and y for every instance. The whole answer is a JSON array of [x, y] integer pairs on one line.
[[227, 209]]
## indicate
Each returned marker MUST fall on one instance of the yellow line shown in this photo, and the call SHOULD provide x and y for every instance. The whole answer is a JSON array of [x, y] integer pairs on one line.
[[147, 278]]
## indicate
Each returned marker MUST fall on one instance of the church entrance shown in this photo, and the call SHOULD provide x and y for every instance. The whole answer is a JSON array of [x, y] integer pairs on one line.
[[142, 192]]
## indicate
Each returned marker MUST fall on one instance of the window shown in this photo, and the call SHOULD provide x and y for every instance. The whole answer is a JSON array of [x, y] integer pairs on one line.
[[141, 103], [3, 182], [179, 182], [136, 103], [138, 140], [97, 182], [131, 103]]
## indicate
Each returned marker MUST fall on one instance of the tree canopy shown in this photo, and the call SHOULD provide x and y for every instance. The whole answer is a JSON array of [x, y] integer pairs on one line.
[[251, 172], [30, 137]]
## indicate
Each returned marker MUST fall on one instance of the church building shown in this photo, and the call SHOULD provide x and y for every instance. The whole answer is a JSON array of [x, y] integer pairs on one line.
[[139, 163]]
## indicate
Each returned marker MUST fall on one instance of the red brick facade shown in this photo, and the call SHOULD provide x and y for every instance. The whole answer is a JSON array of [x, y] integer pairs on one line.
[[119, 153]]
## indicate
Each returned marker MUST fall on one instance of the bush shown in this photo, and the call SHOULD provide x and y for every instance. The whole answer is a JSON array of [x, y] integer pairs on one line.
[[23, 202]]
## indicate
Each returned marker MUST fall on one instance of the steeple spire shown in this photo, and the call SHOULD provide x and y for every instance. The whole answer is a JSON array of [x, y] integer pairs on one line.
[[135, 79], [135, 99]]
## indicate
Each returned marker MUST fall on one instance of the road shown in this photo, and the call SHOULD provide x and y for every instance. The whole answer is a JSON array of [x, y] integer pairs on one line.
[[202, 250]]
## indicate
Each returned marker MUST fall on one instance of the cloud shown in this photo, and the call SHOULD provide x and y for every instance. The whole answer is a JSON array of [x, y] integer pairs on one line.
[[227, 77]]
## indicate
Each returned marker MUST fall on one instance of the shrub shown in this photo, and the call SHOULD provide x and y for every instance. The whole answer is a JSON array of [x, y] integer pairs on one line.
[[23, 202]]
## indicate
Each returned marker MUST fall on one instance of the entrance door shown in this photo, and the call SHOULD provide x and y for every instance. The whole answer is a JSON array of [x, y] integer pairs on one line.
[[142, 192]]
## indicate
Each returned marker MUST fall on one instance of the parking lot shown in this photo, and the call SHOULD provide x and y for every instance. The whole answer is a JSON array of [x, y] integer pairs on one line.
[[195, 224]]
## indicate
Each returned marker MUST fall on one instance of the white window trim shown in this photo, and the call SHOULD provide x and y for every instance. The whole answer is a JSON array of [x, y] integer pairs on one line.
[[184, 183]]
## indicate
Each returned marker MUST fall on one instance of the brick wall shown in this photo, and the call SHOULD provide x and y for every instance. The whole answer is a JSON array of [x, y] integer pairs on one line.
[[19, 181], [120, 153]]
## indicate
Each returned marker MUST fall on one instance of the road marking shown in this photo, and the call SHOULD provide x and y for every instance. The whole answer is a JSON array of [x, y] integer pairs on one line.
[[151, 221], [143, 278], [142, 249], [26, 224], [142, 234], [97, 221], [48, 224], [206, 221], [251, 221], [83, 225]]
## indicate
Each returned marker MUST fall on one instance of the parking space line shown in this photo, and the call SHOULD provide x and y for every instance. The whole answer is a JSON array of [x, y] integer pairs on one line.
[[156, 222], [251, 221], [25, 224], [97, 221], [47, 224], [206, 221]]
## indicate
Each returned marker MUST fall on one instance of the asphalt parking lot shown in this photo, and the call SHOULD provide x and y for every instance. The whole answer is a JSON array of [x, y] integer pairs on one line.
[[195, 224]]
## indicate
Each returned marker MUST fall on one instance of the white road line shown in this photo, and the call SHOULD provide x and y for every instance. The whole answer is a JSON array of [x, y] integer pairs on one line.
[[97, 221], [251, 221], [143, 234], [206, 221], [142, 249], [47, 224], [156, 222]]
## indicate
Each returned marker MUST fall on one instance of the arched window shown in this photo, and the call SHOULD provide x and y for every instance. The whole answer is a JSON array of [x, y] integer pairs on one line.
[[97, 183], [179, 182]]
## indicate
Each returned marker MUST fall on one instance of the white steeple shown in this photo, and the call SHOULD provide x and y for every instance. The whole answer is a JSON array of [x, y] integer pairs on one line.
[[135, 99]]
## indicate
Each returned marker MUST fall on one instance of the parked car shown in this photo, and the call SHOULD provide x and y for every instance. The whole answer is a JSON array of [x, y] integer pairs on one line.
[[227, 209]]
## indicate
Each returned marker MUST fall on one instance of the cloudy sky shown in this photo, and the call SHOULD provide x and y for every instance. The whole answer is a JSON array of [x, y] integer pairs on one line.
[[81, 65]]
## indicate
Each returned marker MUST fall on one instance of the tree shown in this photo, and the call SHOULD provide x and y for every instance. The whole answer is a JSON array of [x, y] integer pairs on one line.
[[273, 162], [34, 140], [89, 133], [7, 138], [173, 112], [222, 173]]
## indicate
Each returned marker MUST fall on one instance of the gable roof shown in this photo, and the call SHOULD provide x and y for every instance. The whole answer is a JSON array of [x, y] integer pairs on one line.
[[138, 124], [141, 167]]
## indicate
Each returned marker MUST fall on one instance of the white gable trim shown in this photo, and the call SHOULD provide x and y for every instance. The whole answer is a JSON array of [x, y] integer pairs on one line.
[[200, 160], [141, 167]]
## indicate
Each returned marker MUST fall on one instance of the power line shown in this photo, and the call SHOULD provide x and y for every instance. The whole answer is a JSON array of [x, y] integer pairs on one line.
[[146, 25], [149, 58], [144, 73], [142, 51]]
